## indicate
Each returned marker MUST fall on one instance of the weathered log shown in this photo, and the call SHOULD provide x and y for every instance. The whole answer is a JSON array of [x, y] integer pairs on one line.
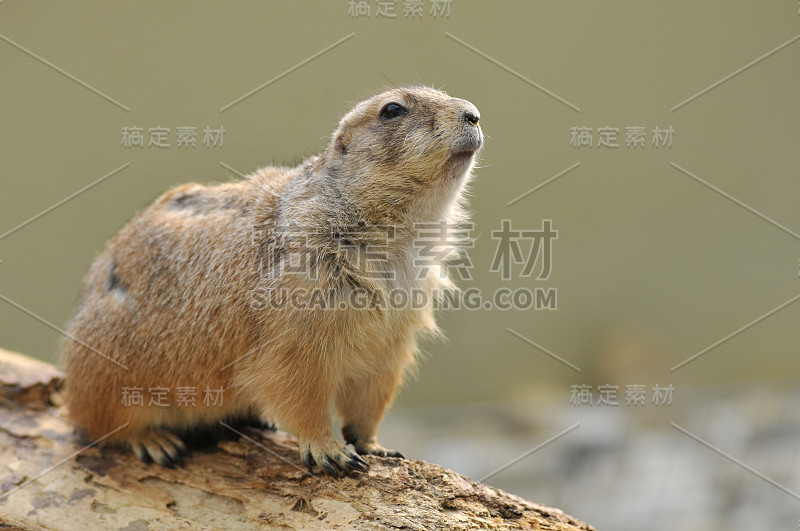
[[49, 480]]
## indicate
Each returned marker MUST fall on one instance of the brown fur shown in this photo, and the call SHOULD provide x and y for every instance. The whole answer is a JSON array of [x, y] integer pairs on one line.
[[171, 298]]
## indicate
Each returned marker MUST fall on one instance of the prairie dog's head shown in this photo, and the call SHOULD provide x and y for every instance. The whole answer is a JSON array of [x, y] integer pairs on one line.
[[405, 153]]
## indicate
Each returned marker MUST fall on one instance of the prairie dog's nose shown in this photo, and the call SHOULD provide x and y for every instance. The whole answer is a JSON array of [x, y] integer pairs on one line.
[[470, 113], [472, 117]]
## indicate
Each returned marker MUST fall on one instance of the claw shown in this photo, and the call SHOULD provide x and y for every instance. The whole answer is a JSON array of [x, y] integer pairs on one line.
[[164, 460], [329, 467], [379, 451], [308, 460], [266, 425], [178, 460], [178, 444], [356, 462], [332, 459], [351, 436], [171, 453], [141, 453], [160, 446]]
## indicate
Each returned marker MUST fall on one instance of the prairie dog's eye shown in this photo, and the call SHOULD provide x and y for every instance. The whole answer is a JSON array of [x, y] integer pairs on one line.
[[392, 110]]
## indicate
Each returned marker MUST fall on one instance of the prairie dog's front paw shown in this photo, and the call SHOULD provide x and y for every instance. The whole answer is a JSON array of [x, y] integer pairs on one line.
[[376, 449], [368, 446], [331, 457]]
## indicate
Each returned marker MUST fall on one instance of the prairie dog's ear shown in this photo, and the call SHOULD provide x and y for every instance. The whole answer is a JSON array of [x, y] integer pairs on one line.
[[340, 143]]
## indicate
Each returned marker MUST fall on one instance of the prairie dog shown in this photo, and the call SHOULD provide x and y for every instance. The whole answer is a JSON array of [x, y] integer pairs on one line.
[[176, 300]]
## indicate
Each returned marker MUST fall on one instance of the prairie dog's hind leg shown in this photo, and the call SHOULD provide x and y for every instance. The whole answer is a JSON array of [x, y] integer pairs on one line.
[[254, 420], [160, 446]]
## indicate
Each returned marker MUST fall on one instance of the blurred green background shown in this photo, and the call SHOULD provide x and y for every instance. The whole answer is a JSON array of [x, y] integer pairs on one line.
[[645, 254], [650, 266]]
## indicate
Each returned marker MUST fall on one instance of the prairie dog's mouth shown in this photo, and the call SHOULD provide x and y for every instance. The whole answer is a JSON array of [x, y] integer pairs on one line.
[[467, 142], [459, 162], [462, 155], [463, 150]]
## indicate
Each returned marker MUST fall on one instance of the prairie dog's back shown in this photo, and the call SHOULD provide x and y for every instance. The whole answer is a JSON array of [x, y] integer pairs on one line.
[[168, 290]]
